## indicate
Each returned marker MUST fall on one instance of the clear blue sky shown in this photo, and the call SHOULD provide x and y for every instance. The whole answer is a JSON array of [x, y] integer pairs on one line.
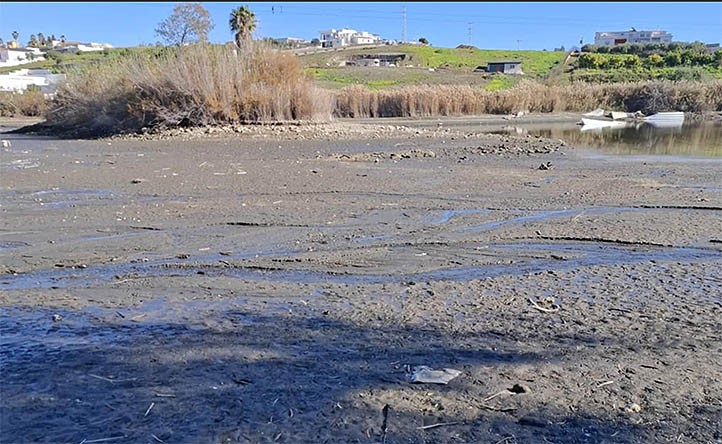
[[504, 25]]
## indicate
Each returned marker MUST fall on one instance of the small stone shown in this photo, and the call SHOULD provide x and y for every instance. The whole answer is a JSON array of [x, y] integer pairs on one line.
[[633, 408], [520, 388], [57, 318]]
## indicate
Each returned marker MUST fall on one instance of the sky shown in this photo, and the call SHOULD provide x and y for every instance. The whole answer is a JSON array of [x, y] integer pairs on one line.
[[486, 25]]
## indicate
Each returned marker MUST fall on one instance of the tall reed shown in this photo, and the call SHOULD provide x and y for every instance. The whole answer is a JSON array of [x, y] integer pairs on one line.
[[189, 86], [529, 96]]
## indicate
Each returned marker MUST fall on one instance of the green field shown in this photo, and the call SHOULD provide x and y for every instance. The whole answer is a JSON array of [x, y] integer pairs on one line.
[[62, 62], [450, 66]]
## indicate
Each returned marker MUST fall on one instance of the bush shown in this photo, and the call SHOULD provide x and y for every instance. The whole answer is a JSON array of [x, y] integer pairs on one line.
[[187, 86], [30, 103]]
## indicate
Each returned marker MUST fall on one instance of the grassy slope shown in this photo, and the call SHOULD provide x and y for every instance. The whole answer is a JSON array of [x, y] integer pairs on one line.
[[534, 63], [452, 66], [67, 61]]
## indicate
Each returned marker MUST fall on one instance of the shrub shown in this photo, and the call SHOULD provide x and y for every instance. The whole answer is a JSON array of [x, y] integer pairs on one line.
[[187, 86], [30, 103]]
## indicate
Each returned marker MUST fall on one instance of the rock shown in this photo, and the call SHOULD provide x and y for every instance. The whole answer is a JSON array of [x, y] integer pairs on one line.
[[520, 388], [57, 318], [633, 408]]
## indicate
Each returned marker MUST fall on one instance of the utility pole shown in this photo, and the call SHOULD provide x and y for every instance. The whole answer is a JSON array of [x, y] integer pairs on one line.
[[403, 24], [518, 44], [471, 25]]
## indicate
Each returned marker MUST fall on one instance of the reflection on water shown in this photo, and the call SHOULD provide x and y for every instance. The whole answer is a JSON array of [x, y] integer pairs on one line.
[[692, 139]]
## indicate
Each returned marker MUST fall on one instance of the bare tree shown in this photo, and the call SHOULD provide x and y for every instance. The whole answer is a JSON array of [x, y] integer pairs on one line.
[[190, 22]]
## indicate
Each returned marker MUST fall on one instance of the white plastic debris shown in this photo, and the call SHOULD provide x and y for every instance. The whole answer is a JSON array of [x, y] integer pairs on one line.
[[427, 375]]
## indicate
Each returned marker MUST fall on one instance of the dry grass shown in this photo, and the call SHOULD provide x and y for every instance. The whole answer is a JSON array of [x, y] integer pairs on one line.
[[529, 96], [31, 103], [195, 85], [211, 85]]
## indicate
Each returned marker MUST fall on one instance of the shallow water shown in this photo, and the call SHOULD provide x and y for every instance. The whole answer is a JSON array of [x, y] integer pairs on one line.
[[519, 259], [695, 139]]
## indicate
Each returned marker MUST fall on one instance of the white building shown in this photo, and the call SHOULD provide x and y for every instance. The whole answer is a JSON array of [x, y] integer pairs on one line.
[[614, 38], [18, 81], [292, 42], [19, 56], [77, 47], [334, 38]]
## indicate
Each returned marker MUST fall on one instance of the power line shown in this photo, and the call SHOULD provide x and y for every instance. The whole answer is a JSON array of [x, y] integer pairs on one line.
[[495, 19]]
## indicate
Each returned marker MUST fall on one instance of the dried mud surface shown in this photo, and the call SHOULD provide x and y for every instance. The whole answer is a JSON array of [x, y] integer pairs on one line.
[[279, 285]]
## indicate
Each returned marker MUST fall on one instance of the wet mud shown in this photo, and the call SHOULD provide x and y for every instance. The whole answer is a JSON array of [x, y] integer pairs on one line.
[[237, 289]]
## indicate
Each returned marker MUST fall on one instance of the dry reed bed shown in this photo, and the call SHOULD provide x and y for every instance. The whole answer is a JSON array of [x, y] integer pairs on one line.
[[529, 96], [196, 85], [31, 103], [211, 85]]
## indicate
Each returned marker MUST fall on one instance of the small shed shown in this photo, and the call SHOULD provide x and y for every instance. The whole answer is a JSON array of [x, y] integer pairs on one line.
[[510, 67]]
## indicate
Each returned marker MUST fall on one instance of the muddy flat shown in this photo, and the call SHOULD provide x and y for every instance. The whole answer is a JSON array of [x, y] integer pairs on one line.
[[283, 284]]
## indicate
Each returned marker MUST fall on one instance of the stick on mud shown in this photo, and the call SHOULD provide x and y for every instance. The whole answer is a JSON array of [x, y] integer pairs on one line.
[[438, 424], [149, 407]]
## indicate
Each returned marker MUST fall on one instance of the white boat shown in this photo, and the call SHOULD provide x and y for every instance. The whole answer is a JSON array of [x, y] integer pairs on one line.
[[599, 123], [667, 119]]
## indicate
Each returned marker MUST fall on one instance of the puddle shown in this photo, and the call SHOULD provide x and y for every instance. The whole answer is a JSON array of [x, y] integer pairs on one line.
[[447, 215], [693, 139], [11, 245], [373, 237], [523, 258], [551, 215], [20, 164]]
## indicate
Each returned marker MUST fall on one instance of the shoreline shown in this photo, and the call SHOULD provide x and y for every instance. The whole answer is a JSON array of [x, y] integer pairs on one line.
[[334, 127]]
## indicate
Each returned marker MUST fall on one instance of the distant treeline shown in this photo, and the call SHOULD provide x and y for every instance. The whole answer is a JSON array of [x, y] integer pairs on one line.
[[650, 61], [646, 48]]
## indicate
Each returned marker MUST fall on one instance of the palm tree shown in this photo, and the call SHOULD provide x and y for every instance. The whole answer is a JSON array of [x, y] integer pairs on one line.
[[41, 39], [33, 41], [242, 23], [15, 37]]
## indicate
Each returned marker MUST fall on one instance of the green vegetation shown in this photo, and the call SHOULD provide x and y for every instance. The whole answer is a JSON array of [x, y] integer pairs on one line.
[[383, 77], [501, 82], [62, 62], [534, 63], [636, 62], [242, 22]]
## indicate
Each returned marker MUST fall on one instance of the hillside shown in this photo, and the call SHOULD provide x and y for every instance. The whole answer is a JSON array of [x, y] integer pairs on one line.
[[450, 66], [59, 62]]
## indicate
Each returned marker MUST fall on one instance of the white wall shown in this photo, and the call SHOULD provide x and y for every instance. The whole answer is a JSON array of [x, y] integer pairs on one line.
[[20, 80]]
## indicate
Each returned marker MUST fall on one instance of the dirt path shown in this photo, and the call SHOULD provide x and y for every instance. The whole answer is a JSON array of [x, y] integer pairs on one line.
[[279, 285]]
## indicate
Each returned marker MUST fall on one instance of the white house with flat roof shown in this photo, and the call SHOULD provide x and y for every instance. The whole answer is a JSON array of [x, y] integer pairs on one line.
[[20, 80], [335, 38], [614, 38], [19, 56]]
